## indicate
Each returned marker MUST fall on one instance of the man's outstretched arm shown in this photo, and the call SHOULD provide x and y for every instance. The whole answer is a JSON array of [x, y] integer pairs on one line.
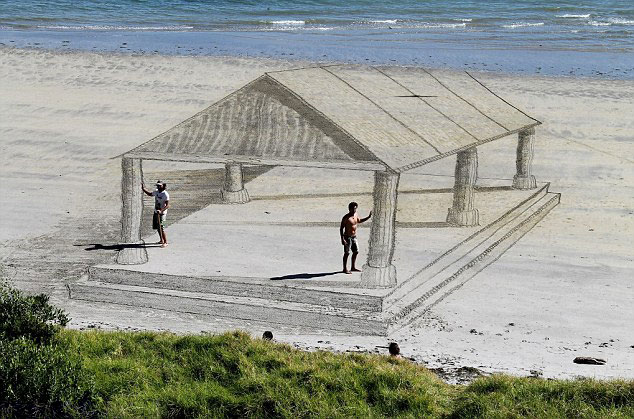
[[147, 192], [363, 220]]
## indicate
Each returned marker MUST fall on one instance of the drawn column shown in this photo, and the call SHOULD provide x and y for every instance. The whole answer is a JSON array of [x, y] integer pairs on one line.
[[524, 178], [134, 252], [233, 191], [379, 272], [462, 212]]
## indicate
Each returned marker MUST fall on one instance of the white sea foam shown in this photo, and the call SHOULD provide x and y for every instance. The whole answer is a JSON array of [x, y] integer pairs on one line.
[[464, 20], [392, 21], [619, 21], [115, 28], [597, 23], [575, 16], [418, 25], [522, 25], [289, 22], [440, 25]]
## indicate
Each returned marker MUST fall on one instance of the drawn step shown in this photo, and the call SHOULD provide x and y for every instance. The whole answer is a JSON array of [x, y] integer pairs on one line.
[[246, 308], [435, 288], [237, 287], [405, 288]]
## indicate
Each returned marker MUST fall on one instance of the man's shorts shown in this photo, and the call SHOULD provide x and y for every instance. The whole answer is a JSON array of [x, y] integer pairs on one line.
[[158, 221], [352, 244]]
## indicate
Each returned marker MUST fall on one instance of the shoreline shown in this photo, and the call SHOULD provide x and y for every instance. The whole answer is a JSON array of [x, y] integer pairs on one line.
[[565, 286], [297, 62], [361, 48]]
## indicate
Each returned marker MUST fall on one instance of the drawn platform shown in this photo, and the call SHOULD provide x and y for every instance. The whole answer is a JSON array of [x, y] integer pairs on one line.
[[277, 260]]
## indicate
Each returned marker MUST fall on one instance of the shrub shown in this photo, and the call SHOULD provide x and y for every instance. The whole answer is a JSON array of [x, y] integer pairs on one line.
[[31, 317], [40, 376], [43, 381]]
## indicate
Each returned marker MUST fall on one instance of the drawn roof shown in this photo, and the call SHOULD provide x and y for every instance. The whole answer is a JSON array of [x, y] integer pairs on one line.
[[369, 118]]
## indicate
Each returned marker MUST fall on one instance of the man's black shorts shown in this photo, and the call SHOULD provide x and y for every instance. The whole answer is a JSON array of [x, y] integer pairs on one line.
[[352, 244], [158, 221]]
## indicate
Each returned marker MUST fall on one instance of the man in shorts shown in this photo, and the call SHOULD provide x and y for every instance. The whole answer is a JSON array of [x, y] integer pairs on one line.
[[348, 233], [161, 204]]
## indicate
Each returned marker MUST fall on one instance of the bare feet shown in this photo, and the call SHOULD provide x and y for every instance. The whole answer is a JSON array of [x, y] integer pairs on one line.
[[345, 271], [164, 245], [355, 270]]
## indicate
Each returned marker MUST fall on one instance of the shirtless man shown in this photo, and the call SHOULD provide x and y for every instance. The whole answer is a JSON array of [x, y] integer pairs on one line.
[[161, 204], [348, 232]]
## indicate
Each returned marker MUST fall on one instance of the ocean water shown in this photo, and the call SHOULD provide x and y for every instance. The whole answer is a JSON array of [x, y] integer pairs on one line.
[[564, 37]]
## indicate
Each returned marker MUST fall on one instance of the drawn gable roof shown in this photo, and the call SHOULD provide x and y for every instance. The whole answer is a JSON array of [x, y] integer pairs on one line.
[[343, 116]]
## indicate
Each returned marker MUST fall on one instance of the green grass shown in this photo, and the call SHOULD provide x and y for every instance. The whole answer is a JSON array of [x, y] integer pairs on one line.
[[231, 375], [501, 396]]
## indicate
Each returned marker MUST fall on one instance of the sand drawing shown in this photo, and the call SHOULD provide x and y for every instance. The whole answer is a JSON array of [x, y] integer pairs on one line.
[[342, 119]]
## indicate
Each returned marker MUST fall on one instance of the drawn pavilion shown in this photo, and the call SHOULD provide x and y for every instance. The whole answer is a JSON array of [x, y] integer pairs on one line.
[[385, 120]]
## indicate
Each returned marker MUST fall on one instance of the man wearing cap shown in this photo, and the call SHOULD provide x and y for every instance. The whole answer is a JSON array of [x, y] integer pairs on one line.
[[161, 204]]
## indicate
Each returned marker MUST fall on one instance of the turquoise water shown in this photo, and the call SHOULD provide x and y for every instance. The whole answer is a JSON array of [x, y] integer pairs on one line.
[[582, 37]]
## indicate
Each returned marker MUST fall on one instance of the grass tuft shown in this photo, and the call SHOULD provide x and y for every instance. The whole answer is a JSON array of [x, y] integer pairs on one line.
[[502, 396]]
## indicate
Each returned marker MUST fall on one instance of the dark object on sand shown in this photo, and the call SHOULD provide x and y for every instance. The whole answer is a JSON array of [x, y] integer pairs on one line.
[[268, 335], [588, 360], [394, 349], [461, 375]]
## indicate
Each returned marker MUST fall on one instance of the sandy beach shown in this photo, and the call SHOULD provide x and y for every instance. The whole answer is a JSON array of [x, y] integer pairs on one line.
[[564, 290]]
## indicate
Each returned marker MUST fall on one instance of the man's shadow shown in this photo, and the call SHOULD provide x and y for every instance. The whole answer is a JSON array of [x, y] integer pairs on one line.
[[119, 246], [304, 276]]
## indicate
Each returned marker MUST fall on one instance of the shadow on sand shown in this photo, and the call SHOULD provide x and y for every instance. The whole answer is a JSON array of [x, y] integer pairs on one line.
[[304, 276], [119, 246]]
